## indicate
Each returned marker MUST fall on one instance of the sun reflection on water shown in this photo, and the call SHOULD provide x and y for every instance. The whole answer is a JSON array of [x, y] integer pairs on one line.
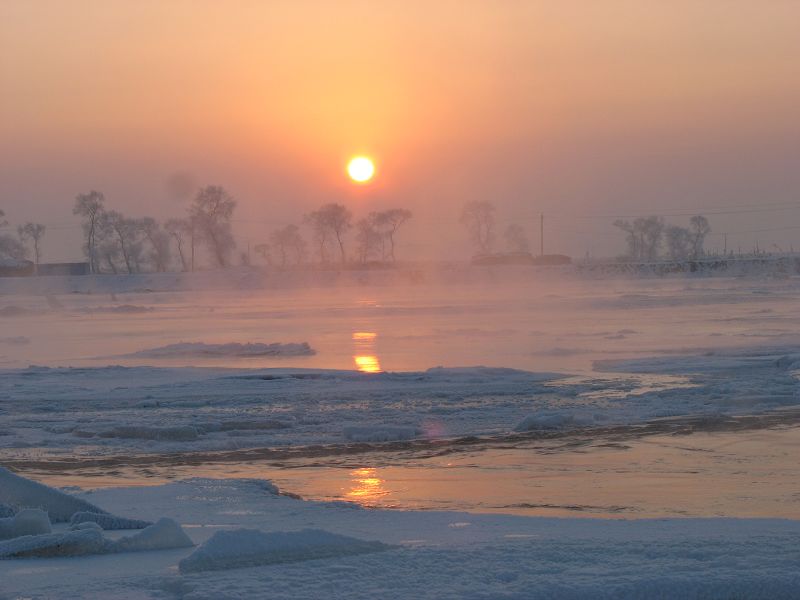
[[365, 358], [366, 486]]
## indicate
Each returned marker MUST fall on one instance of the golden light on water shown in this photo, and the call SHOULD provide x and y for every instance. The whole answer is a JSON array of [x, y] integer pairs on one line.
[[361, 169], [366, 486], [364, 357]]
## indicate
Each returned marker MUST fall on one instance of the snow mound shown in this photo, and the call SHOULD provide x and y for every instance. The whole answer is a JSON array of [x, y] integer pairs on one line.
[[249, 547], [29, 521], [233, 349], [380, 433], [554, 420], [163, 534], [19, 492], [106, 521], [71, 543]]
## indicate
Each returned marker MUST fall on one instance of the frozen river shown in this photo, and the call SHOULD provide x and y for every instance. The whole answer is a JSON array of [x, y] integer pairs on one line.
[[140, 380]]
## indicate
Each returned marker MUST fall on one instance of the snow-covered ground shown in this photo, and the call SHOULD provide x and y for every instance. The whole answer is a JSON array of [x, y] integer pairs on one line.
[[419, 555]]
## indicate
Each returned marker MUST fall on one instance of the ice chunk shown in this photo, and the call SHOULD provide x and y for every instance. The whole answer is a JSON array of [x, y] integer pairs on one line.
[[29, 521], [163, 534], [554, 420], [106, 521], [249, 547], [19, 492], [380, 433], [71, 543]]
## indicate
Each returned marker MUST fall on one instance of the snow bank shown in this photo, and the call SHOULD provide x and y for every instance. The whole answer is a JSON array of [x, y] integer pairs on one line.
[[554, 420], [249, 548], [19, 492], [70, 543], [163, 534], [233, 349], [29, 521], [106, 521], [380, 433]]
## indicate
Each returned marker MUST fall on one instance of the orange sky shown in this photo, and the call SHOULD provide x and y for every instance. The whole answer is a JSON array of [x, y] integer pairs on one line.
[[572, 108]]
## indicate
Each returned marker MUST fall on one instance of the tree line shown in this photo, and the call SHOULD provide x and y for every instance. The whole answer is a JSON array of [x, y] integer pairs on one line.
[[116, 243], [647, 237]]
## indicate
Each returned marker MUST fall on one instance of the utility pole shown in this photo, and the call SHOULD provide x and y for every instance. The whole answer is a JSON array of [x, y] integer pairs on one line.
[[726, 245], [541, 234]]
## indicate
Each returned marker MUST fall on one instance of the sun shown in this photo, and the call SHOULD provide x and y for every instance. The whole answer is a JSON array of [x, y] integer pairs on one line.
[[360, 169]]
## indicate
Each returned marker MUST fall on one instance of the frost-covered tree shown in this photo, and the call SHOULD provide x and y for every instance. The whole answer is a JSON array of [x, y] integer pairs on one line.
[[478, 218], [288, 244], [517, 239], [180, 230], [699, 228], [369, 239], [643, 236], [158, 240], [265, 252], [114, 228], [678, 241], [387, 223], [211, 211], [330, 223], [33, 233], [90, 206]]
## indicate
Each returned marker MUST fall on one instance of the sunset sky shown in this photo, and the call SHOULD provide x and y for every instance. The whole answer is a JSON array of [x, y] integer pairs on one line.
[[580, 109]]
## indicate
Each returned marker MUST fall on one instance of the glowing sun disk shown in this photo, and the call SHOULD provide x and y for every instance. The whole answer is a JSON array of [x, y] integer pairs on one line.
[[360, 169]]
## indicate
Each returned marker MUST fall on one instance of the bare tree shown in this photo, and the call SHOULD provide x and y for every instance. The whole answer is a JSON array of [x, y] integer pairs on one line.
[[179, 230], [331, 221], [516, 238], [264, 251], [288, 242], [90, 207], [33, 232], [159, 243], [478, 218], [700, 228], [388, 222], [369, 238], [643, 236], [11, 247], [678, 241], [3, 221], [114, 227], [211, 211]]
